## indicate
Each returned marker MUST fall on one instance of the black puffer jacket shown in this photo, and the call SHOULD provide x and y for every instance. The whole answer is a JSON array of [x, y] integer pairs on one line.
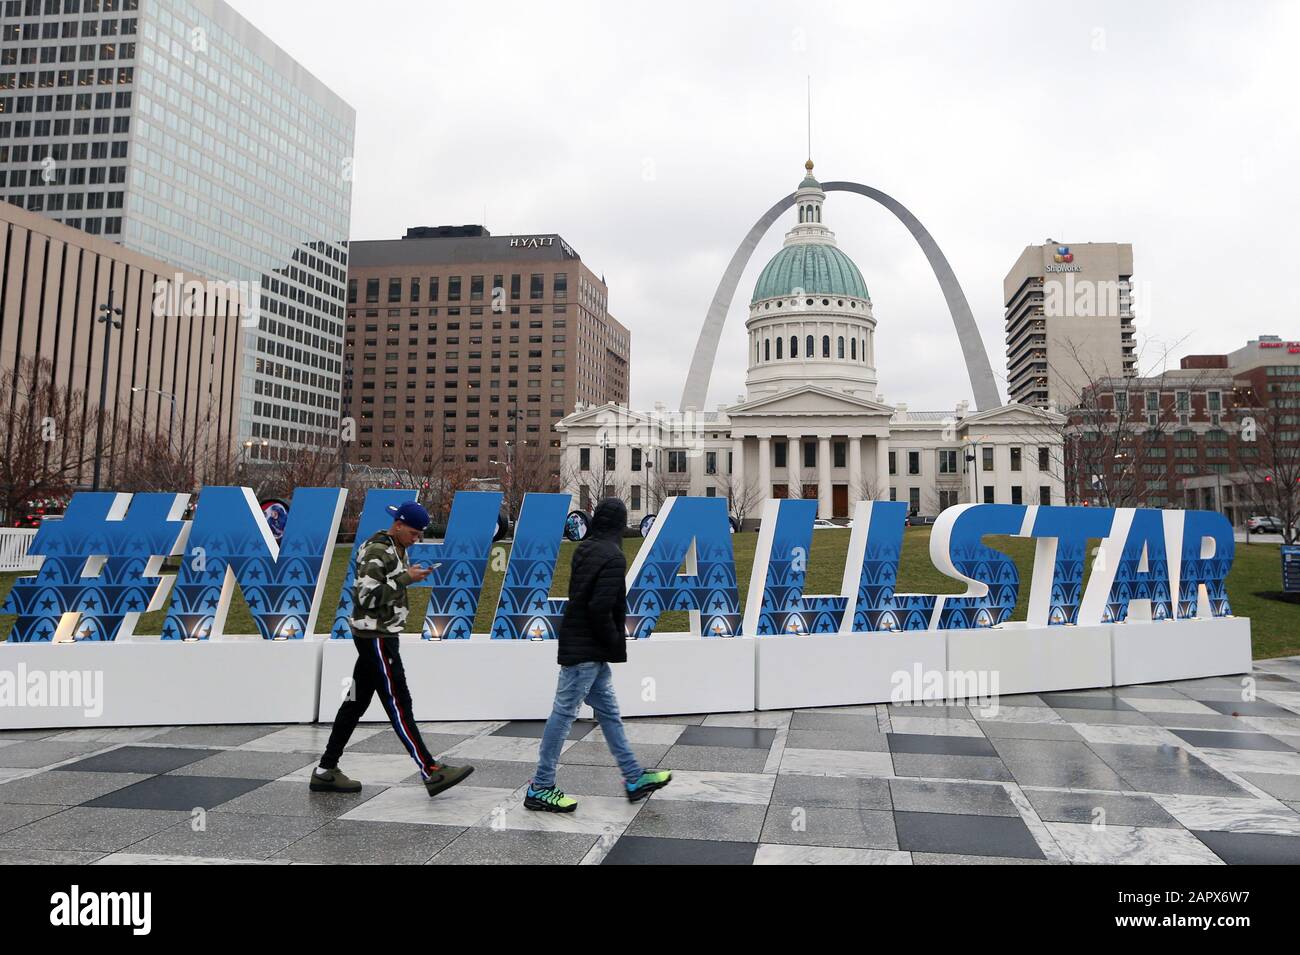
[[592, 629]]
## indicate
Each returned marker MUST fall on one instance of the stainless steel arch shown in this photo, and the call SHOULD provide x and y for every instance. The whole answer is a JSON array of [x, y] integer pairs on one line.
[[983, 384]]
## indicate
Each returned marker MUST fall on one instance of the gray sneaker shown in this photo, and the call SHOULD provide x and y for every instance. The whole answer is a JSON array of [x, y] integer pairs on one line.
[[333, 781]]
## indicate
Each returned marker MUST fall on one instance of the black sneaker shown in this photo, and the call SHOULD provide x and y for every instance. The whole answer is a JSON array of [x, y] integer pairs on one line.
[[333, 781]]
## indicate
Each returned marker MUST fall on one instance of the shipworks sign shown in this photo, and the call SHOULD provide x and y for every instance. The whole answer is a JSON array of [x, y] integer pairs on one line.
[[103, 566]]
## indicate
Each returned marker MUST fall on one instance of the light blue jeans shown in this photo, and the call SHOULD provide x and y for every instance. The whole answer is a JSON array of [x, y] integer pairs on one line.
[[590, 683]]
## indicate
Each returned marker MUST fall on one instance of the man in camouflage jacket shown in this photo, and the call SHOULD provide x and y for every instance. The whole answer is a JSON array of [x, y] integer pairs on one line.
[[379, 613]]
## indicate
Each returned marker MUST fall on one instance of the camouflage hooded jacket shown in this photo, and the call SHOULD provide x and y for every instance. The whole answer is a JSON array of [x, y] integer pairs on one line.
[[379, 605]]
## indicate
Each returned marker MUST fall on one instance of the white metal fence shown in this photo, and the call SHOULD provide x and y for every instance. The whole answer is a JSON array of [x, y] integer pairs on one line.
[[14, 542]]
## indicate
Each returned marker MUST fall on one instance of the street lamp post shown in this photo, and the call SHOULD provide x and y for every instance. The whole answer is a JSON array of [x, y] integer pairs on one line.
[[972, 460], [171, 417], [106, 315], [509, 478], [512, 448], [242, 461]]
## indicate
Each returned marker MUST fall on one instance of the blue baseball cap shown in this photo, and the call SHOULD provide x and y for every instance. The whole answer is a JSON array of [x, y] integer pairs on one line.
[[410, 513]]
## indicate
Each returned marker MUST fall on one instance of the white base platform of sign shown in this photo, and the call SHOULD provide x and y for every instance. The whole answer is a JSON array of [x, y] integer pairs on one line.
[[1147, 652], [835, 670], [1015, 658], [485, 679], [150, 682]]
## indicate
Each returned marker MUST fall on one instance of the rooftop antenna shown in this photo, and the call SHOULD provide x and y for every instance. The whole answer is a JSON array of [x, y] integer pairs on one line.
[[809, 78]]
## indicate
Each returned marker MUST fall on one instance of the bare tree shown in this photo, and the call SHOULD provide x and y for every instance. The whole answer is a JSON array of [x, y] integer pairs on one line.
[[44, 424], [1111, 437], [154, 457], [1272, 474], [743, 497], [866, 489], [663, 483], [290, 468], [525, 468], [599, 481]]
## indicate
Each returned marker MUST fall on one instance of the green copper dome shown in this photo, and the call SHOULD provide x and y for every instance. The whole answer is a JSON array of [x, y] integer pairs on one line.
[[814, 267]]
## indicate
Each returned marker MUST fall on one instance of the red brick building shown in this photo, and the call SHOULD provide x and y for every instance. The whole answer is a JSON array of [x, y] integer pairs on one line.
[[1219, 432]]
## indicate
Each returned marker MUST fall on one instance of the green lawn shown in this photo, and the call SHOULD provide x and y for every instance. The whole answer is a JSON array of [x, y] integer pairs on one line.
[[1253, 587]]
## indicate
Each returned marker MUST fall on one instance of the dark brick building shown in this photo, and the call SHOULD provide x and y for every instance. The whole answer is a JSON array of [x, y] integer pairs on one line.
[[463, 348]]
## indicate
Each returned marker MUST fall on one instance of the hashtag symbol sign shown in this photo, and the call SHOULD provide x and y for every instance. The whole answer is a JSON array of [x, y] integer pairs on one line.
[[99, 571]]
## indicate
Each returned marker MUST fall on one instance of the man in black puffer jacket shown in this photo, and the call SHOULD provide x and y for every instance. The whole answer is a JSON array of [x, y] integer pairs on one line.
[[592, 636]]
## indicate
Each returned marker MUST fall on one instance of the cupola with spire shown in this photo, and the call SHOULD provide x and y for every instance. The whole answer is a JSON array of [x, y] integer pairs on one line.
[[810, 314]]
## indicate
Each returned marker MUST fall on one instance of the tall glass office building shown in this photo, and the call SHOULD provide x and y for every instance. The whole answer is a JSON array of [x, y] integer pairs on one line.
[[178, 129]]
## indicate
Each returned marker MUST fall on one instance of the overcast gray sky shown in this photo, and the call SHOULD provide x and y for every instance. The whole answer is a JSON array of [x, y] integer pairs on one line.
[[652, 136]]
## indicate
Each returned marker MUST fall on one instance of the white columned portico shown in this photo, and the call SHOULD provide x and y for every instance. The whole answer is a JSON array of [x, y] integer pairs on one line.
[[855, 469], [764, 468], [882, 468], [738, 489], [794, 465], [824, 506]]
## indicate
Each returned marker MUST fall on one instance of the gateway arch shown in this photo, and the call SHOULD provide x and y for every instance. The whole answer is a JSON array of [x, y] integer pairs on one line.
[[978, 368]]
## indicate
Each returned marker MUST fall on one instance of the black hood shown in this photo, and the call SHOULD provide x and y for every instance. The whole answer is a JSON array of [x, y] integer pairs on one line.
[[610, 518]]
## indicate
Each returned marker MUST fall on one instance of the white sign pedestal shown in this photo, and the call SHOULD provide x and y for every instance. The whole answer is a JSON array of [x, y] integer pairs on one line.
[[148, 682], [1146, 652], [834, 670], [485, 679], [151, 682], [1033, 659]]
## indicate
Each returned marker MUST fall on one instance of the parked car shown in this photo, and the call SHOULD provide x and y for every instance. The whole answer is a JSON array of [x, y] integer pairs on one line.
[[821, 525], [38, 510], [1264, 525]]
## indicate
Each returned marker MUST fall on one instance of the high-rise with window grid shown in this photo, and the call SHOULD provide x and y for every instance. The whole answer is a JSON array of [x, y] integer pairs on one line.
[[178, 129]]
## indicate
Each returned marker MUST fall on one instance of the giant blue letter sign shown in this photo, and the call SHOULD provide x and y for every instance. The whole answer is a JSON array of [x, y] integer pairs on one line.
[[776, 601], [525, 610], [1205, 549], [1062, 535], [374, 518], [695, 530], [957, 549], [102, 561], [872, 569], [230, 541], [459, 563], [1132, 565]]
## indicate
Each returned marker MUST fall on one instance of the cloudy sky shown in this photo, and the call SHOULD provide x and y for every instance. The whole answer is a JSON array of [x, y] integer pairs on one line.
[[652, 136]]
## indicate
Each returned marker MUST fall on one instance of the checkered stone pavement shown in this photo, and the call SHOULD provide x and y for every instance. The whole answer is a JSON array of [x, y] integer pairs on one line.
[[1198, 771]]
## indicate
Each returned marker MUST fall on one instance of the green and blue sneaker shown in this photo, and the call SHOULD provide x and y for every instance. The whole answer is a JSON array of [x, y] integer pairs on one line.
[[549, 800], [648, 783]]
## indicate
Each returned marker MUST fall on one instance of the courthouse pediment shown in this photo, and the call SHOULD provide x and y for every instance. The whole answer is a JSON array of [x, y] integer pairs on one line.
[[810, 400]]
